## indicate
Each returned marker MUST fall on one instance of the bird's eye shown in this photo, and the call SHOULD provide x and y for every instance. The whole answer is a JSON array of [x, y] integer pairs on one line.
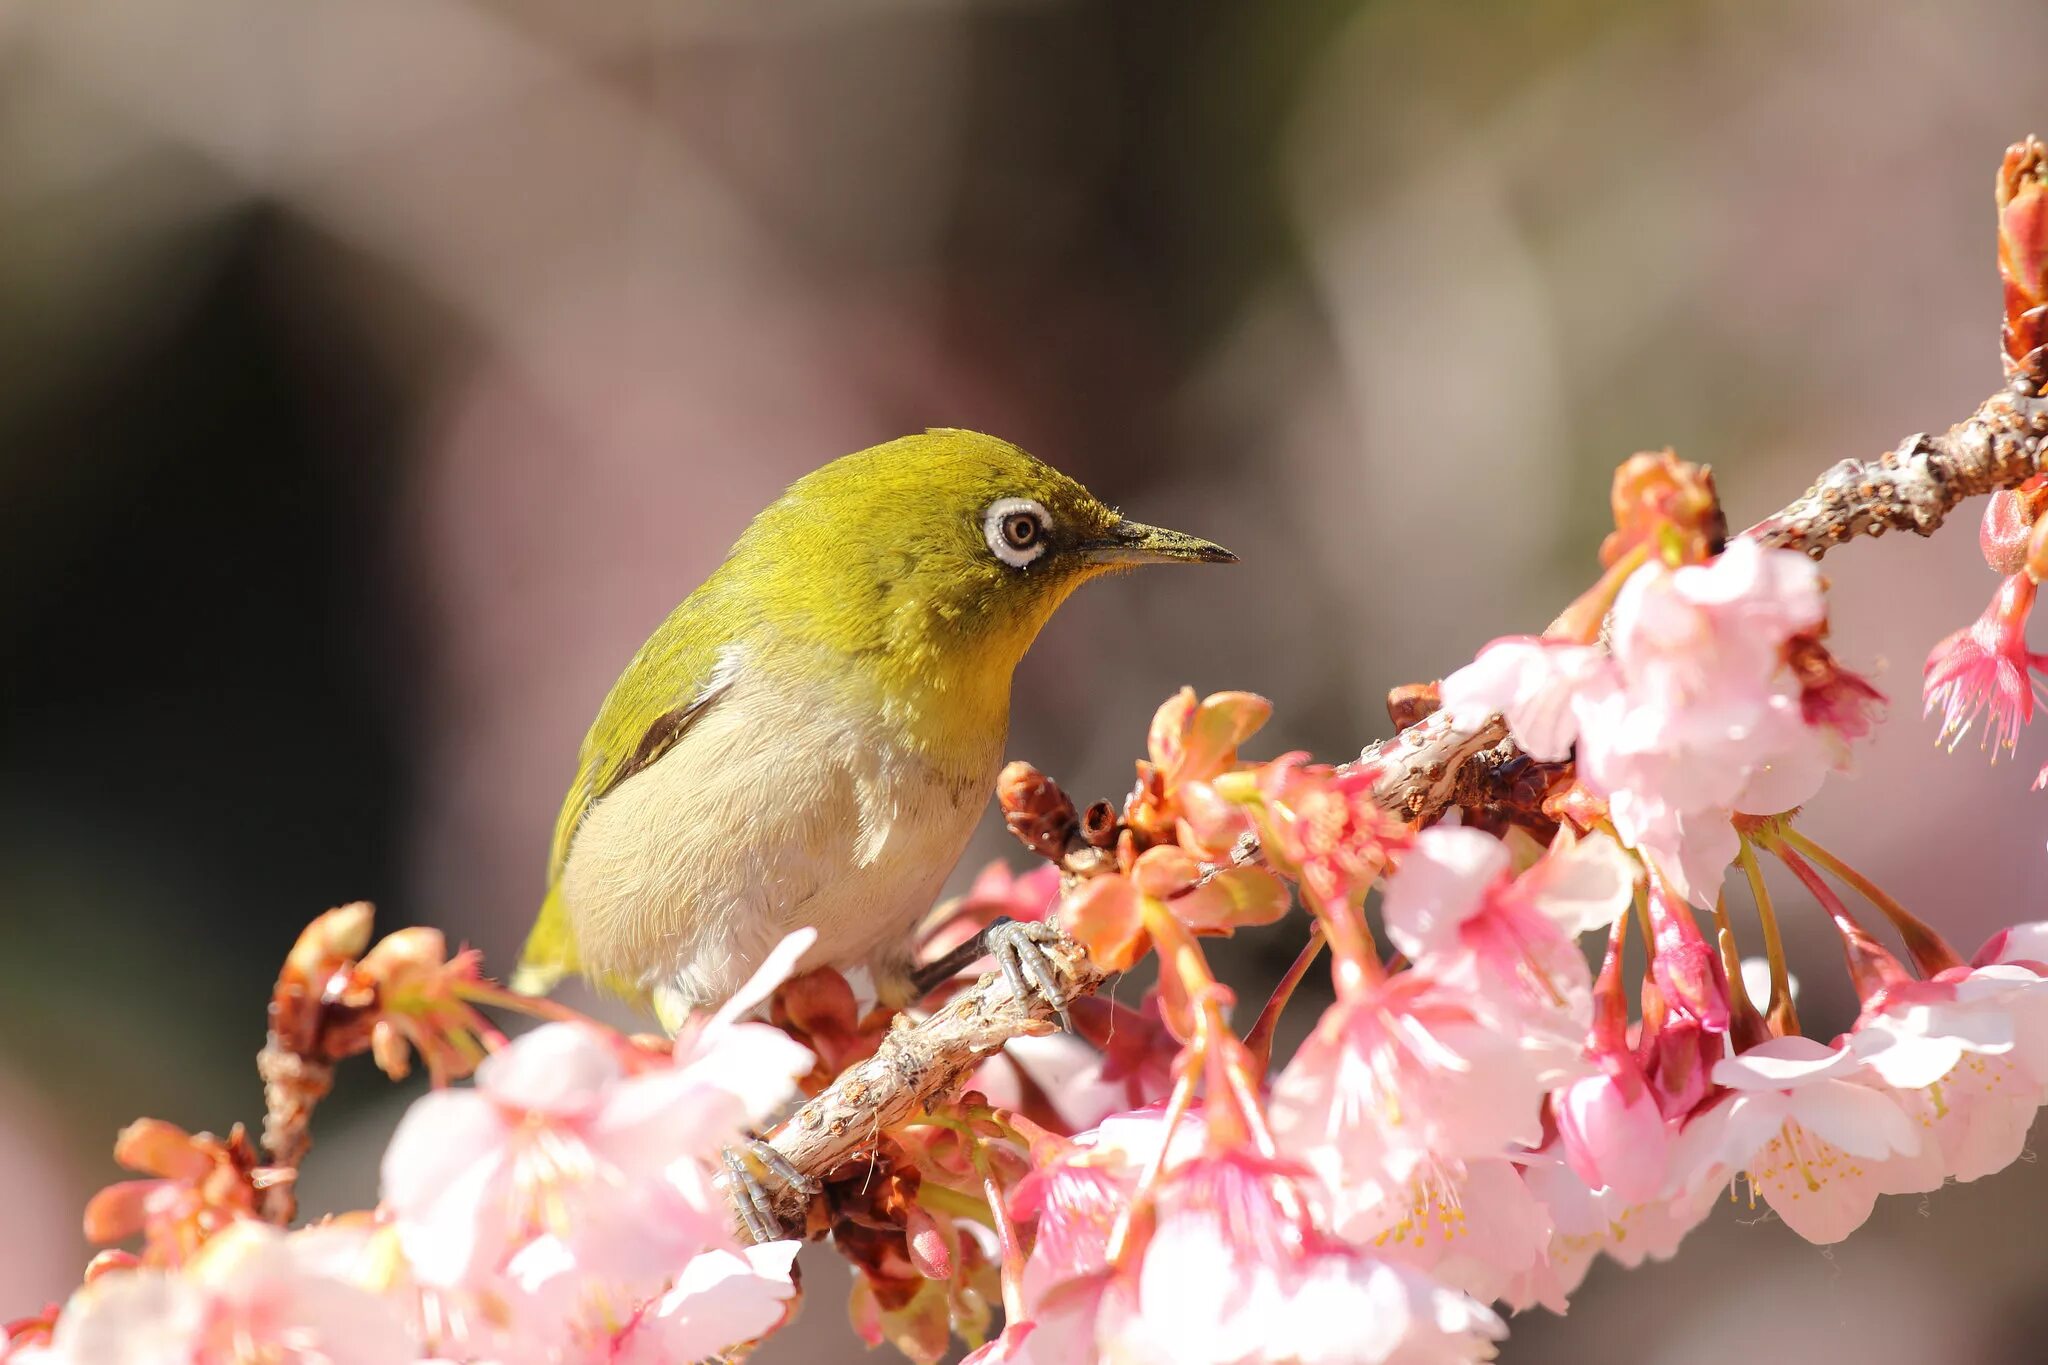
[[1015, 530]]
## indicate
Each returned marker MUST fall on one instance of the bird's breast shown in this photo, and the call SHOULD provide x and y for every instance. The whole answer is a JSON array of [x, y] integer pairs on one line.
[[785, 805]]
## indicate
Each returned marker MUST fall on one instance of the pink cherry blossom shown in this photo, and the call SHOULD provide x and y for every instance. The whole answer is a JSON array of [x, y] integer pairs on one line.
[[557, 1137], [1914, 1033], [1611, 1125], [1011, 1346], [1588, 1222], [1966, 1055], [1234, 1270], [1614, 1135], [1454, 905], [2025, 944], [1708, 719], [1540, 686], [575, 1181], [472, 1176], [720, 1298], [1817, 1144], [1975, 1119], [248, 1294], [1686, 968], [1323, 823], [1412, 1073], [1697, 713], [1080, 1083], [1985, 671], [1480, 1231], [2017, 986]]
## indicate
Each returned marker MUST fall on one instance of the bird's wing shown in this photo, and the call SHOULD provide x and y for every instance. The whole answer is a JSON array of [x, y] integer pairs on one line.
[[671, 682]]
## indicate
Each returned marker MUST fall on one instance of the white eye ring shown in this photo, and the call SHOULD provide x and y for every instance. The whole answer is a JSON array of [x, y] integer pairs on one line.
[[1015, 530]]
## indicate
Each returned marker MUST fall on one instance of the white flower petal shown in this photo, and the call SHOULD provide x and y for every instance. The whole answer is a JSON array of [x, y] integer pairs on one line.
[[1783, 1063], [1443, 881], [775, 969], [556, 1069], [1859, 1120], [1585, 886]]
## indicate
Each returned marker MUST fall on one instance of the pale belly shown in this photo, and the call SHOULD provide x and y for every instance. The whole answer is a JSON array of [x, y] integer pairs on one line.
[[772, 813]]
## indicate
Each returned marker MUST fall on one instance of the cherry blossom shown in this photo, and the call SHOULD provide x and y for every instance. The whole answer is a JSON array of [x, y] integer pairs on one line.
[[1480, 1231], [1914, 1033], [1614, 1134], [1233, 1270], [1455, 905], [1324, 825], [1814, 1141], [1708, 717], [1082, 1084], [1542, 687], [1974, 1120], [1694, 715], [248, 1294], [1408, 1074], [575, 1179], [1985, 671], [721, 1297], [1590, 1221]]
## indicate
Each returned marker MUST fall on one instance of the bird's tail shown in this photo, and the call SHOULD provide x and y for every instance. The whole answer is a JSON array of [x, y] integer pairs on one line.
[[550, 952]]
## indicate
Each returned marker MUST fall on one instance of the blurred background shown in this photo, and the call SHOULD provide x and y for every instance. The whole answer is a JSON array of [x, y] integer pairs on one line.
[[374, 377]]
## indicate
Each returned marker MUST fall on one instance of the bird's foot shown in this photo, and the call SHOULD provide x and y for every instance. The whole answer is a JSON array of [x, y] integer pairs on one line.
[[749, 1193], [1019, 950]]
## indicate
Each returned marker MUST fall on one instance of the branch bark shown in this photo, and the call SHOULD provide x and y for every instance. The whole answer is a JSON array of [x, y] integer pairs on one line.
[[1915, 486], [917, 1064], [1912, 487]]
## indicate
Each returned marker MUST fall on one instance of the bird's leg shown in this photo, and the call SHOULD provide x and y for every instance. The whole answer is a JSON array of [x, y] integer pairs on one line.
[[1017, 947], [750, 1197]]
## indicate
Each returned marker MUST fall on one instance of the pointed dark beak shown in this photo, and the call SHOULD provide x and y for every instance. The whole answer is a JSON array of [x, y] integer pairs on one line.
[[1133, 542]]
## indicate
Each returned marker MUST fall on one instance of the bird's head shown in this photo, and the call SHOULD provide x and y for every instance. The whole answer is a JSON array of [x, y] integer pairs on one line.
[[940, 554]]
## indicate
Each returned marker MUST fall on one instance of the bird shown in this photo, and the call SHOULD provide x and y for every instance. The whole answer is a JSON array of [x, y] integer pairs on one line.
[[809, 739]]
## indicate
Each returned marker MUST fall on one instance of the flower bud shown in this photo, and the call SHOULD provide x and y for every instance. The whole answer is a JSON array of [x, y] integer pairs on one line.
[[1669, 504], [1041, 815], [337, 937], [2023, 248]]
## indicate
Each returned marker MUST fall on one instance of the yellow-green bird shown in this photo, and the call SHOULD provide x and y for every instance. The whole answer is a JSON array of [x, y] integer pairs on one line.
[[810, 738]]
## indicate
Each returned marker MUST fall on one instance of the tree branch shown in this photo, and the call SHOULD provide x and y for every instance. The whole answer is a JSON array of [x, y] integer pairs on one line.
[[918, 1064], [1912, 487]]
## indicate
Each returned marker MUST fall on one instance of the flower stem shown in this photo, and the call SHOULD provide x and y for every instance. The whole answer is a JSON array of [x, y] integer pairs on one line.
[[1006, 1240], [1778, 1011], [535, 1006], [1213, 1054], [1580, 622], [1351, 944], [1259, 1042], [1870, 966], [1931, 953], [1176, 1109], [959, 1204], [1642, 898], [1746, 1026]]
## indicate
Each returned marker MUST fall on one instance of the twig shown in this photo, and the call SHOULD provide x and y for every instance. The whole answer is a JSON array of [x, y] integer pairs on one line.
[[917, 1065], [1913, 487], [293, 1084], [1420, 766]]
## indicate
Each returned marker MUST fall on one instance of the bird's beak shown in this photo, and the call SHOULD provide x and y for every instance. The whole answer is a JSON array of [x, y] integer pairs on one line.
[[1133, 542]]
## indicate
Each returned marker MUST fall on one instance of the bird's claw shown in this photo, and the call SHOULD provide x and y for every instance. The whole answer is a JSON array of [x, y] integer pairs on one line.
[[750, 1197], [1018, 948]]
